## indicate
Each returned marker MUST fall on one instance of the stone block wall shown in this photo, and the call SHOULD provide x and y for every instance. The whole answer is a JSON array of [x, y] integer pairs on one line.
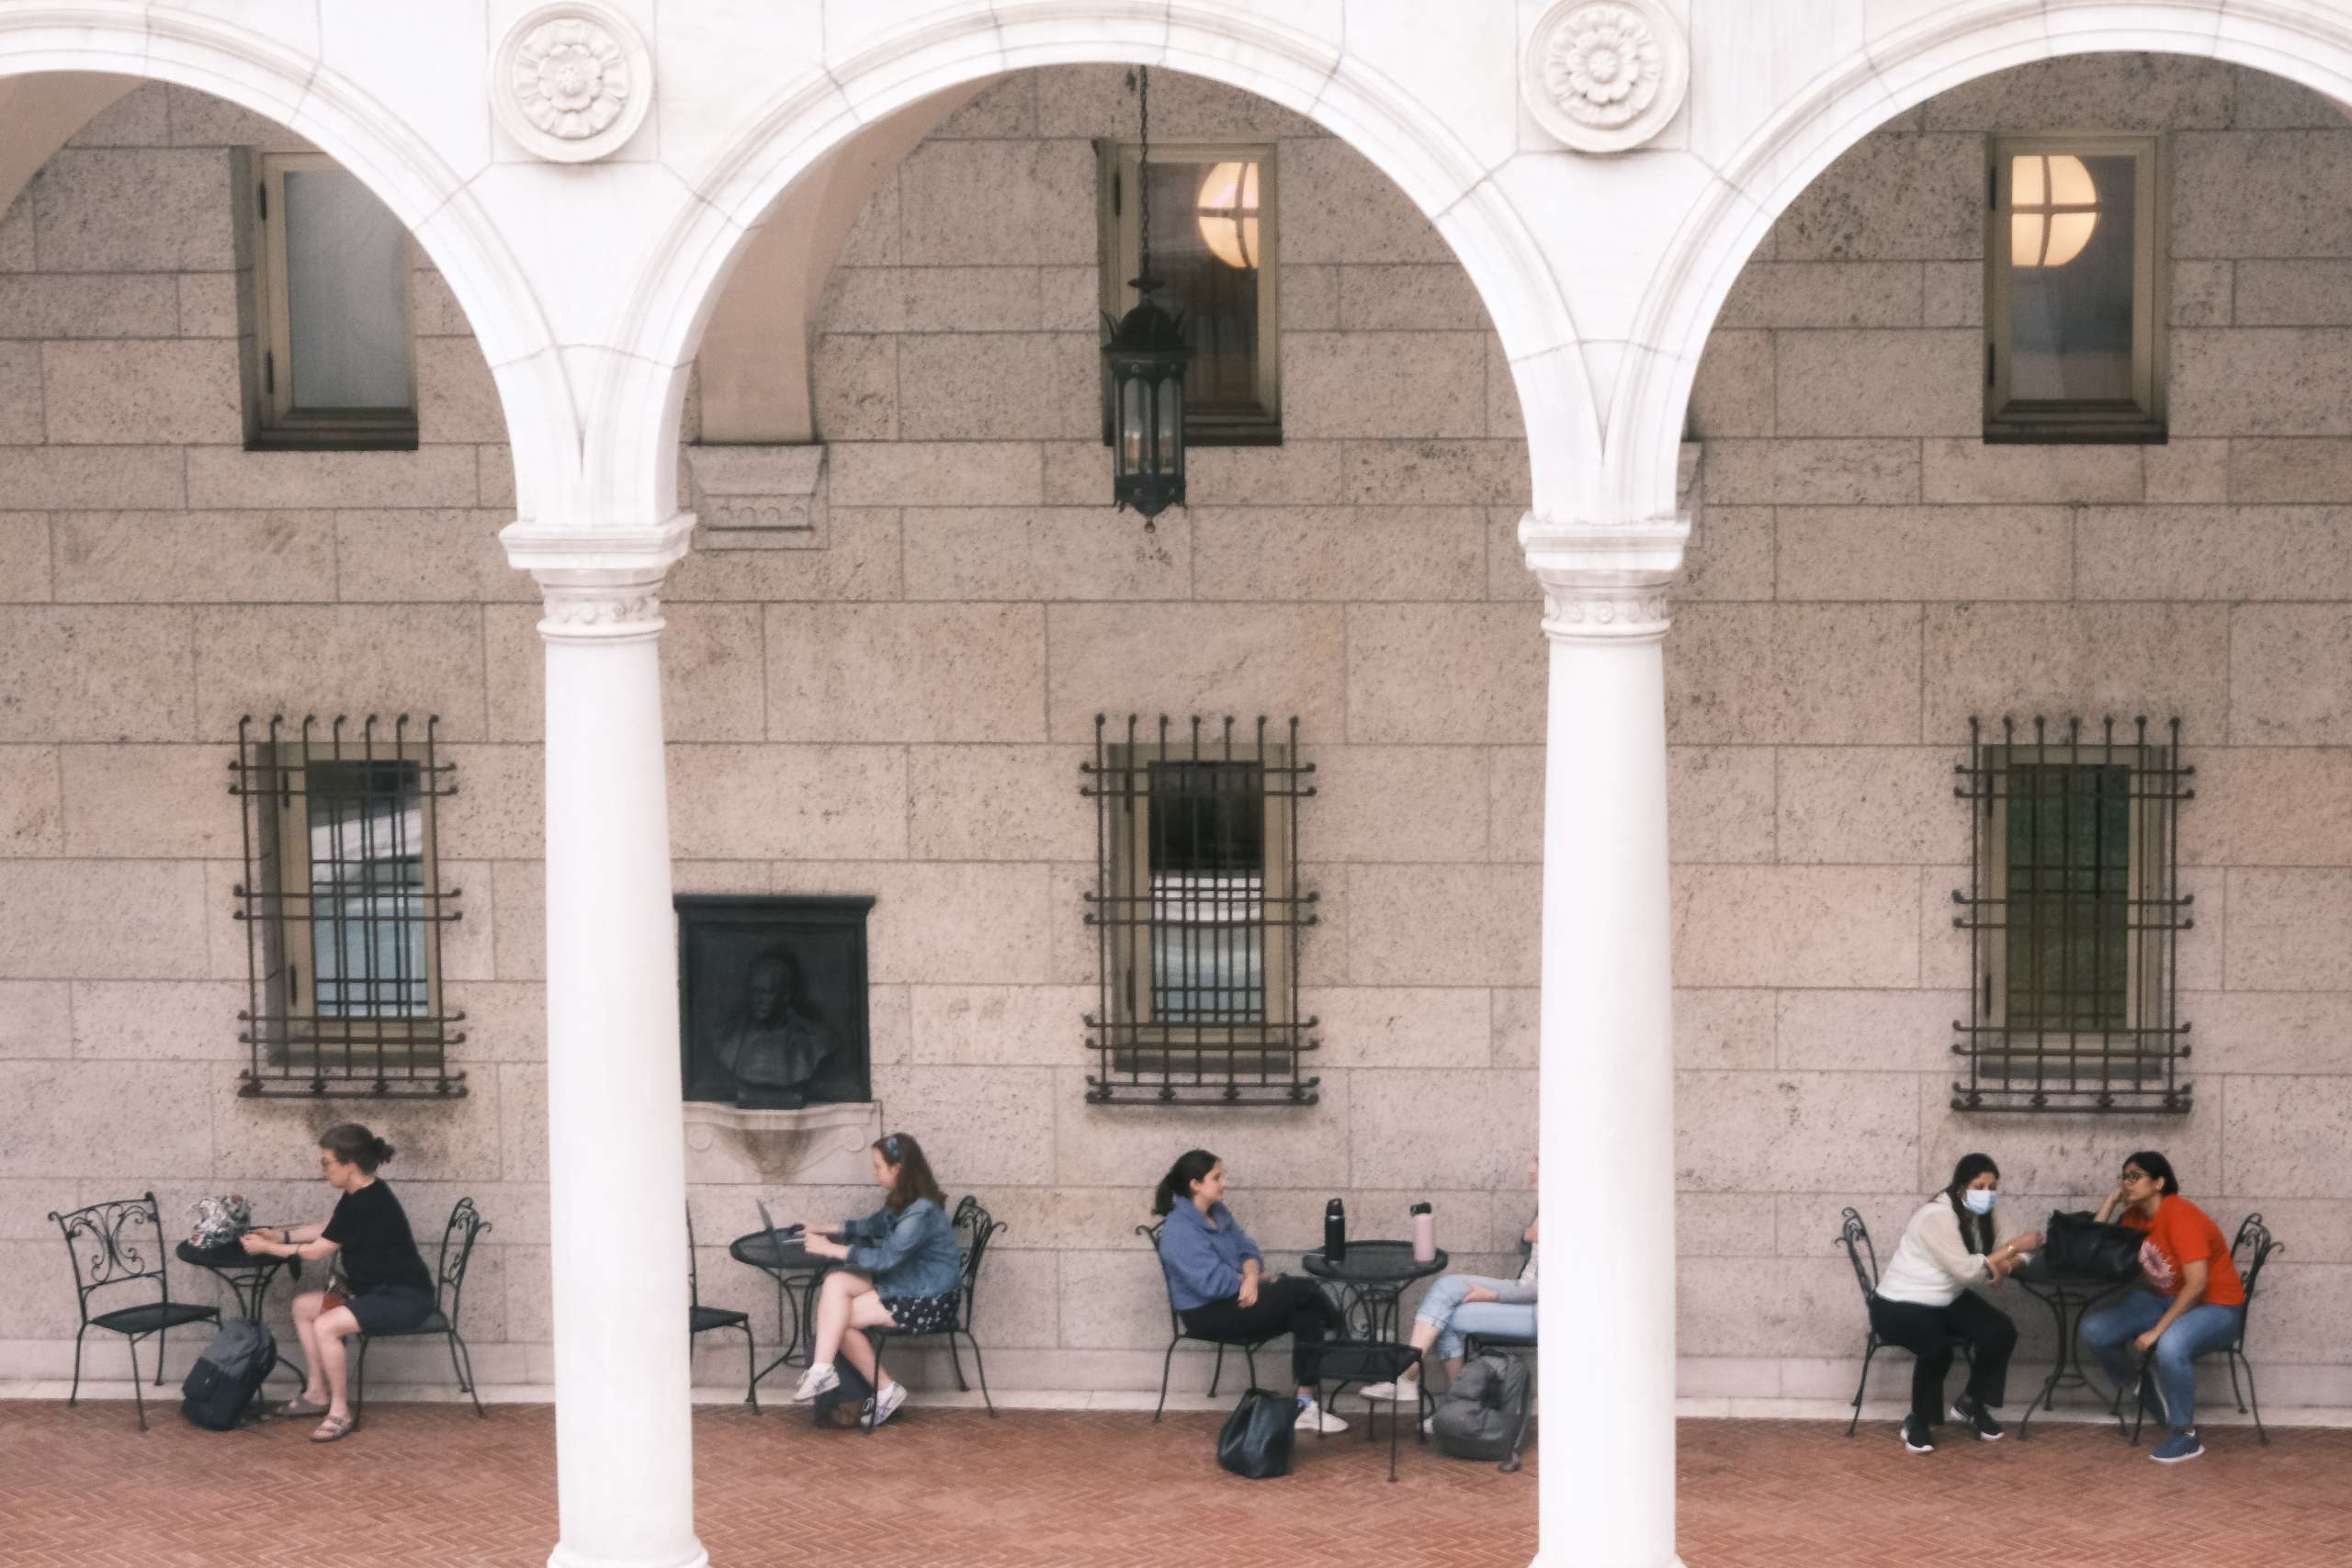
[[901, 712]]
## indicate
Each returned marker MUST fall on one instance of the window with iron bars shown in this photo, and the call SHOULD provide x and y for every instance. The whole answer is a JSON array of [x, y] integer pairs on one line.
[[2073, 911], [343, 908], [1198, 913]]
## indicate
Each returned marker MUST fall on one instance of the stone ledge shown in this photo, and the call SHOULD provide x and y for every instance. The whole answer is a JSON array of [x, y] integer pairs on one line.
[[759, 498], [816, 1145]]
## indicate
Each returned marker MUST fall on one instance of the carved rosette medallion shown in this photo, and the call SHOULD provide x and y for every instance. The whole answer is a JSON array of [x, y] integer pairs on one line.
[[594, 613], [1605, 75], [574, 81], [1583, 611]]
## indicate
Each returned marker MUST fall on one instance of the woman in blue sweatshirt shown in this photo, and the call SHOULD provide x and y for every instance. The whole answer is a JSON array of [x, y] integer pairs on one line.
[[1215, 1279]]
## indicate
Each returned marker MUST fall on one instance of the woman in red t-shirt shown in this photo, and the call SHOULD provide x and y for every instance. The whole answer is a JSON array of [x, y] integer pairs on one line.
[[2191, 1301]]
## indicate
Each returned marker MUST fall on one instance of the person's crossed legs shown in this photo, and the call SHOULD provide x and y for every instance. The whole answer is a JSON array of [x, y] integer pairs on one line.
[[1446, 1318], [846, 1301]]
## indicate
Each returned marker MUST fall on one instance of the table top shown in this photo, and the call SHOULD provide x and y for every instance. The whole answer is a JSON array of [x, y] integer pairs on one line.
[[1374, 1263], [2035, 1276], [759, 1250], [229, 1255]]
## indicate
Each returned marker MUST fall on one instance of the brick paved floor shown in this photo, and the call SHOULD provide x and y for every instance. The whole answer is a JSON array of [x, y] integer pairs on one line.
[[429, 1485]]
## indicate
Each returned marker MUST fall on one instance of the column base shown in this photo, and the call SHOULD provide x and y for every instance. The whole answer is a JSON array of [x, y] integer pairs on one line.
[[1669, 1563], [565, 1557]]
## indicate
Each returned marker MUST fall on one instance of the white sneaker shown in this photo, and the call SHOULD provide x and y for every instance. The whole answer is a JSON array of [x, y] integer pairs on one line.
[[1313, 1417], [1404, 1391], [819, 1379], [892, 1397]]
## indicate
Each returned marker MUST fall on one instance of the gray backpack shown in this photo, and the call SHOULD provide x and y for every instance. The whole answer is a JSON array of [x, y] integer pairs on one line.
[[1483, 1415], [221, 1385]]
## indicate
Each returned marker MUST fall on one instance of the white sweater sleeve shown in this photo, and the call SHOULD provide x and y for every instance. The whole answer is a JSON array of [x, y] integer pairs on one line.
[[1940, 1233]]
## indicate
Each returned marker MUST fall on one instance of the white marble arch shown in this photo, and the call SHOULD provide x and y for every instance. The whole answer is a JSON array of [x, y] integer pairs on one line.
[[254, 67], [633, 416], [1950, 42]]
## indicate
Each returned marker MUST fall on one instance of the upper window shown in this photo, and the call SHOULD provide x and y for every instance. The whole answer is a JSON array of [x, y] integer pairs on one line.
[[2072, 915], [1199, 915], [343, 910], [2073, 349], [331, 280], [1213, 247]]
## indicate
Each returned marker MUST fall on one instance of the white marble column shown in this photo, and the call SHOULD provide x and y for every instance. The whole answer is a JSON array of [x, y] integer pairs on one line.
[[1606, 1315], [616, 1137]]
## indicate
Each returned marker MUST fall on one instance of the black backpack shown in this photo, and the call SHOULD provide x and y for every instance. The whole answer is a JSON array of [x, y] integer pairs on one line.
[[221, 1385], [1483, 1414]]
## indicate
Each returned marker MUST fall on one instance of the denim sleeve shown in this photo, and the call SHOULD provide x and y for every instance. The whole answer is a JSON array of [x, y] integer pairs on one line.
[[1192, 1261], [901, 1240], [1241, 1238], [872, 1227]]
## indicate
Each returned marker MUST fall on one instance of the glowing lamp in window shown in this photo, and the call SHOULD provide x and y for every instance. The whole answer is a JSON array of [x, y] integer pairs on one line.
[[2054, 208], [1228, 214]]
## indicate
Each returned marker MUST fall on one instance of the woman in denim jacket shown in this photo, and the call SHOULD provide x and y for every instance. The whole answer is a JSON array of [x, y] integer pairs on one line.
[[905, 1272]]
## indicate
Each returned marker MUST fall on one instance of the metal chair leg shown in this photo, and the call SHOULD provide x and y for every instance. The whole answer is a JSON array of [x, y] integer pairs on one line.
[[2234, 1382], [163, 1344], [1218, 1372], [979, 1370], [132, 1340], [479, 1414], [874, 1399], [957, 1362], [78, 1368], [1249, 1355], [2259, 1429], [751, 1370], [1166, 1362], [1870, 1348], [358, 1364]]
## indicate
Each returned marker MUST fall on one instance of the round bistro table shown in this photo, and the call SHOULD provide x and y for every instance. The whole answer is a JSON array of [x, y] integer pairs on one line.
[[1369, 1282]]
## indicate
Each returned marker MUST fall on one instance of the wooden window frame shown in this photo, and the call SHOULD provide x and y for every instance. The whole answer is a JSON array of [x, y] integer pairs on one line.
[[1119, 231], [279, 425], [2141, 421]]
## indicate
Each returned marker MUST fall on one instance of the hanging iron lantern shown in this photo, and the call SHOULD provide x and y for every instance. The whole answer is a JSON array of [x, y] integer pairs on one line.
[[1145, 356]]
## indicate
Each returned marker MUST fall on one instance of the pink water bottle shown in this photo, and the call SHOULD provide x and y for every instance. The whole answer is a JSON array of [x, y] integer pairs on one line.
[[1424, 1234]]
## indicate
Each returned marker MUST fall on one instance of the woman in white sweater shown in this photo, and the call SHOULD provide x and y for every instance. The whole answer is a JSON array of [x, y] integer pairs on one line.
[[1924, 1303]]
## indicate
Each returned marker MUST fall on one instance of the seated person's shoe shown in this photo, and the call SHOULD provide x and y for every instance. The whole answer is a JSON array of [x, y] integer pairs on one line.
[[1313, 1417], [1916, 1436], [816, 1379], [1970, 1411], [2181, 1445], [1404, 1391], [892, 1397]]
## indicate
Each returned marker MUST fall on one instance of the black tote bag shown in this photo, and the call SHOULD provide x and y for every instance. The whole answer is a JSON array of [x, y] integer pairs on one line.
[[2078, 1246], [1256, 1442]]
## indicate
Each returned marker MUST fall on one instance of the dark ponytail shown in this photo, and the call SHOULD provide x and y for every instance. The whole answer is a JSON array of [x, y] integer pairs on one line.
[[1975, 1229], [1176, 1187], [354, 1145]]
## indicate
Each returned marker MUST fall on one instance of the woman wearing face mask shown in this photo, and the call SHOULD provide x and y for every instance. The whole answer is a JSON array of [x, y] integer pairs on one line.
[[1924, 1304]]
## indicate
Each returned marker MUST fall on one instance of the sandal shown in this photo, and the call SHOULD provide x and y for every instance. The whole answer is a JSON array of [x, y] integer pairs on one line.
[[297, 1407], [333, 1429]]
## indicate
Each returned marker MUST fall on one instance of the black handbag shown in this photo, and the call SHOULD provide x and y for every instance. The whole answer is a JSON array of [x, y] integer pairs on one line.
[[2078, 1246], [1257, 1440]]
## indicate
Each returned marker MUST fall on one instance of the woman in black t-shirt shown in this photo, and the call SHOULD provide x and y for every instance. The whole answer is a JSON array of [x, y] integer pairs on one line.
[[388, 1286]]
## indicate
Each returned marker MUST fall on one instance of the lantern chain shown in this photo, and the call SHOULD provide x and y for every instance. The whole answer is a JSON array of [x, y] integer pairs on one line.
[[1143, 179]]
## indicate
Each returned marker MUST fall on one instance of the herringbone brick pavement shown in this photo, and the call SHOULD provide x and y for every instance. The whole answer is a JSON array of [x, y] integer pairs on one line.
[[429, 1485]]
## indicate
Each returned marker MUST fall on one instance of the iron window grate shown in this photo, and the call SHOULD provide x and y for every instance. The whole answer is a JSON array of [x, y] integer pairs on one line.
[[2073, 912], [343, 908], [1198, 912]]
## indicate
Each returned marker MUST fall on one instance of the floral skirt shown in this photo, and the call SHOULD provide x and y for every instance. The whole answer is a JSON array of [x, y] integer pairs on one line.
[[922, 1314]]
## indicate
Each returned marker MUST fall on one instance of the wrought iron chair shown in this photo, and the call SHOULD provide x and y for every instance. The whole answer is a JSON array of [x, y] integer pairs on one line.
[[110, 1244], [1178, 1333], [975, 1230], [458, 1238], [701, 1320], [1855, 1237], [2253, 1240], [1474, 1343]]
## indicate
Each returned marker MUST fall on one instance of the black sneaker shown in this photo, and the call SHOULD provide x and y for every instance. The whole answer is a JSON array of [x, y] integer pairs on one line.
[[1916, 1436], [1967, 1408]]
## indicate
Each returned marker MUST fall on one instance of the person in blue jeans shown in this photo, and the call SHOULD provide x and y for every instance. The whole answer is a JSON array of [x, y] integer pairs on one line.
[[1459, 1306], [2193, 1301]]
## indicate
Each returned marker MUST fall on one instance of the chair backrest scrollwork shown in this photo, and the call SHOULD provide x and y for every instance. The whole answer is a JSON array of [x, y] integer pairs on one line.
[[975, 1228], [458, 1238], [1855, 1237], [2253, 1245], [118, 1242], [1150, 1233]]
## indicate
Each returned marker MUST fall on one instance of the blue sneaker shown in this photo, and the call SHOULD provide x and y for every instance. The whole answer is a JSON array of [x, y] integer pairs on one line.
[[2181, 1445]]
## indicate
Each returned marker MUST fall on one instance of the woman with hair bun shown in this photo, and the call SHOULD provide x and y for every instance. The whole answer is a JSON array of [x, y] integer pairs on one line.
[[388, 1287]]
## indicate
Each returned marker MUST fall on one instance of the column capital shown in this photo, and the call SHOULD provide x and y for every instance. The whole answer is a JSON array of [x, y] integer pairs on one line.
[[599, 584], [1604, 581]]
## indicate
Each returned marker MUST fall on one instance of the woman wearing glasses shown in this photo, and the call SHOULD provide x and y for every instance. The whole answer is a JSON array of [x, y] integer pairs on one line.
[[1924, 1304], [905, 1272], [2192, 1302]]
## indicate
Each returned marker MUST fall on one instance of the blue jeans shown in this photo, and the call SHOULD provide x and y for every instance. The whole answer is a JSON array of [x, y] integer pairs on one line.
[[1445, 1309], [2109, 1331]]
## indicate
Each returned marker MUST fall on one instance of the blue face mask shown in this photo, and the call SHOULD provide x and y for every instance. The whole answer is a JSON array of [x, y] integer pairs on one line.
[[1979, 1200]]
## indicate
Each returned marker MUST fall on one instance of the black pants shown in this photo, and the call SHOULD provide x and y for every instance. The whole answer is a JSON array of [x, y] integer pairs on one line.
[[1931, 1333], [1294, 1304]]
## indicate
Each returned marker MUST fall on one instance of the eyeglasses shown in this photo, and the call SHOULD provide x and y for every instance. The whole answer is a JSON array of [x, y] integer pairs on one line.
[[2132, 1176]]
